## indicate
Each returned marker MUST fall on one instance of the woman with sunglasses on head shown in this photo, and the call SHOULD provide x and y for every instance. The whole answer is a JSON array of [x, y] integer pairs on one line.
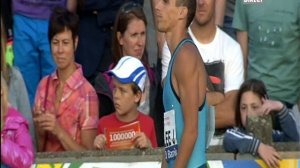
[[129, 38], [96, 23]]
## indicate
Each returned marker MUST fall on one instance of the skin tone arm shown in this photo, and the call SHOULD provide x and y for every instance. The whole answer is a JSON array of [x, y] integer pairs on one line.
[[214, 98], [242, 38], [225, 110], [48, 122], [186, 81], [220, 6]]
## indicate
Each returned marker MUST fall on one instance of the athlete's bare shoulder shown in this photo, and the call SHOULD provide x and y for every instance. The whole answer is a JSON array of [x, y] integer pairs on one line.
[[188, 55]]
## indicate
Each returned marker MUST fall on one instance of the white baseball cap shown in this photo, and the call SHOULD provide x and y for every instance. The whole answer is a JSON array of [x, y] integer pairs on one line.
[[130, 69]]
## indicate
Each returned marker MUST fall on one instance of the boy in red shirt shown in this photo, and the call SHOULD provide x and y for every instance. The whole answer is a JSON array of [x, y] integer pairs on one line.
[[129, 80]]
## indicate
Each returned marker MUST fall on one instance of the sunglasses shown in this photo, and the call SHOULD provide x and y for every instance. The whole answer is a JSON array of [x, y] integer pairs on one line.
[[128, 7]]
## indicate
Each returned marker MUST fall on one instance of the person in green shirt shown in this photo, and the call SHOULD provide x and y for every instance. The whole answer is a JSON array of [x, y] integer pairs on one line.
[[269, 34]]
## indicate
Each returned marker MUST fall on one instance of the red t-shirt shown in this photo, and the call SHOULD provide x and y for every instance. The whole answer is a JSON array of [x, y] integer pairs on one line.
[[146, 124]]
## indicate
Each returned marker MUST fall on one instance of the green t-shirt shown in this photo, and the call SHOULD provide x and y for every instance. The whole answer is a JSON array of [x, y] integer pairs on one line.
[[273, 28]]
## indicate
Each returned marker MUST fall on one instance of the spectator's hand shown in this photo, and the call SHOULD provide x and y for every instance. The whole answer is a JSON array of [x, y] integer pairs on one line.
[[100, 141], [48, 122], [141, 141], [269, 155], [36, 118], [270, 105]]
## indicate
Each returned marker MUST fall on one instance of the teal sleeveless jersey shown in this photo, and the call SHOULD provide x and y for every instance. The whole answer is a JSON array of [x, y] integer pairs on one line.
[[171, 102]]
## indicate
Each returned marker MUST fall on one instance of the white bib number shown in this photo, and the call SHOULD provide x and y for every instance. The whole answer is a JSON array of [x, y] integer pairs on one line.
[[171, 147]]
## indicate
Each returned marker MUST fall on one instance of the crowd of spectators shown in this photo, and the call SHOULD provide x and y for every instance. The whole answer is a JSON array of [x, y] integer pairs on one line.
[[77, 68]]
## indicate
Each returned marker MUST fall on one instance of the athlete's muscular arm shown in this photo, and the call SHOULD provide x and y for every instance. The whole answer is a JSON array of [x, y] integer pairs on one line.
[[189, 80]]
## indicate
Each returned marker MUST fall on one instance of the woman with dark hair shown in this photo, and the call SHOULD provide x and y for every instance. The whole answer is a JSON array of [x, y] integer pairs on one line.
[[129, 39], [252, 100], [66, 105], [129, 33]]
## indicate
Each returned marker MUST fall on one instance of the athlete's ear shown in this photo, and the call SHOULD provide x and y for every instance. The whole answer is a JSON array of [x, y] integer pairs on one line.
[[183, 12]]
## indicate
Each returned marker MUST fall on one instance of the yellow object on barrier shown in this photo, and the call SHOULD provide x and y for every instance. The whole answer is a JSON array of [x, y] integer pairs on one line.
[[48, 165], [286, 163]]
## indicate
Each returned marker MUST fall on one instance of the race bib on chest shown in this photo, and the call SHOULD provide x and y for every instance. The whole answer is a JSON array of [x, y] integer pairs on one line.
[[171, 147]]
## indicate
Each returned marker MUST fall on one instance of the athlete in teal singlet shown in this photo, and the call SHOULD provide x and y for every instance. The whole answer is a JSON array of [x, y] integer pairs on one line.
[[185, 87]]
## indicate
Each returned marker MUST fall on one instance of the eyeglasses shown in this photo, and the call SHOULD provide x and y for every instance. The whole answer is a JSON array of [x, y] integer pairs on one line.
[[128, 7]]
